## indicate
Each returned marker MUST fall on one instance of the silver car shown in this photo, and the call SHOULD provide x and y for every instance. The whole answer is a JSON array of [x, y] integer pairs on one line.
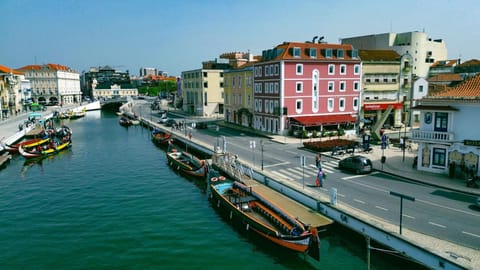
[[356, 164]]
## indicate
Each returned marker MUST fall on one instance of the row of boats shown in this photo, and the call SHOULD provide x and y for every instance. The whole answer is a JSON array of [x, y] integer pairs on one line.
[[49, 143], [241, 203]]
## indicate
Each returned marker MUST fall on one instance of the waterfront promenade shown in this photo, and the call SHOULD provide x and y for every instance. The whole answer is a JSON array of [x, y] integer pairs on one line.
[[395, 165]]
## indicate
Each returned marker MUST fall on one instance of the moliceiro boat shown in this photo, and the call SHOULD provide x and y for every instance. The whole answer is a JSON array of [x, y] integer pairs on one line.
[[160, 137], [255, 213], [187, 163], [45, 150]]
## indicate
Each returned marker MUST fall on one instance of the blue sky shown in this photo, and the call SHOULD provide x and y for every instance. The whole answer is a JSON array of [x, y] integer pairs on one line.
[[176, 35]]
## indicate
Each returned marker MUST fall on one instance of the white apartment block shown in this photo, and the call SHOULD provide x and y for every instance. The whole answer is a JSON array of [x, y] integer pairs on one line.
[[53, 83], [423, 50]]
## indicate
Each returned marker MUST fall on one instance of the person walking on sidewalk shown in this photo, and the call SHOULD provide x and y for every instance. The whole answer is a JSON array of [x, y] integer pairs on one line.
[[318, 161], [320, 178]]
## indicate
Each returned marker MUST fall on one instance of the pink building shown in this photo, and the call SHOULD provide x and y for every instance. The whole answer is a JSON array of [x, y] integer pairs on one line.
[[312, 86]]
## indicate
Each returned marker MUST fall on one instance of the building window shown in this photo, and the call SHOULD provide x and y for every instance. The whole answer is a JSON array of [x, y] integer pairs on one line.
[[328, 53], [343, 69], [266, 106], [276, 69], [356, 69], [354, 53], [276, 88], [205, 74], [313, 52], [342, 86], [296, 52], [205, 84], [331, 69], [356, 85], [299, 69], [331, 86], [340, 53], [355, 104], [341, 104], [420, 88], [441, 121], [299, 106], [330, 105], [439, 157], [299, 87]]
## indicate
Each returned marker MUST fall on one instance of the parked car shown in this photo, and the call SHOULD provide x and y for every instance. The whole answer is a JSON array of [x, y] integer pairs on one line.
[[163, 119], [357, 164], [170, 122]]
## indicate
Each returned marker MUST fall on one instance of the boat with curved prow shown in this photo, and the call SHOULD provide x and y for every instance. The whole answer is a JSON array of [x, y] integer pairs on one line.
[[187, 163], [160, 137], [255, 213], [40, 151]]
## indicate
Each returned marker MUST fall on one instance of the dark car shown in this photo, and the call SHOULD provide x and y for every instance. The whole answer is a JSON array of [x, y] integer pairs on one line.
[[357, 164], [170, 122]]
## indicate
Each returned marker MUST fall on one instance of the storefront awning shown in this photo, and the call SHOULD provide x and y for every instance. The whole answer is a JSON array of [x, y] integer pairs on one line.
[[434, 108], [381, 106], [319, 120]]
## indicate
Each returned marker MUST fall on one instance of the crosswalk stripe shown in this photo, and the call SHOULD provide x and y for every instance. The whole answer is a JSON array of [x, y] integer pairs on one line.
[[283, 175]]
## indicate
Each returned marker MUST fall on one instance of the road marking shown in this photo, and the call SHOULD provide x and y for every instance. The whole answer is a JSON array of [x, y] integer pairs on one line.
[[407, 216], [283, 175], [340, 195], [352, 177], [436, 224], [449, 208], [381, 208], [276, 164], [356, 200], [471, 234]]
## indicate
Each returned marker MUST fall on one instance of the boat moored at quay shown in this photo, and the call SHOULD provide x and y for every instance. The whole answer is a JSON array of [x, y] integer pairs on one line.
[[249, 209]]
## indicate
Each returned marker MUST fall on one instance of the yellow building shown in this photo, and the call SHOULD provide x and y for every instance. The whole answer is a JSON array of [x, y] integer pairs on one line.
[[238, 89]]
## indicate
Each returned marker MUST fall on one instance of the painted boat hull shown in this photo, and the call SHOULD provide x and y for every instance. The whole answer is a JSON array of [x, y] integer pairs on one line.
[[187, 164], [260, 216], [46, 152], [160, 138]]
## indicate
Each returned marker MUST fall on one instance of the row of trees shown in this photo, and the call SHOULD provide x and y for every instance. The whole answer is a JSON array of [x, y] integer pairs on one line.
[[158, 88]]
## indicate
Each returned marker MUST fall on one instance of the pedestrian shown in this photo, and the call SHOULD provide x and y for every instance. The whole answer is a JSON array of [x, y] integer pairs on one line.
[[320, 178], [318, 161], [190, 135]]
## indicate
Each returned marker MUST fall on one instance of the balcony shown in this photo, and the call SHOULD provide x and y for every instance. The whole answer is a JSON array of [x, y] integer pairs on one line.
[[432, 136]]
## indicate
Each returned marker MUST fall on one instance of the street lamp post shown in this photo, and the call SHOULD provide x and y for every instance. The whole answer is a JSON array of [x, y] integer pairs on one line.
[[261, 144], [218, 134], [402, 196]]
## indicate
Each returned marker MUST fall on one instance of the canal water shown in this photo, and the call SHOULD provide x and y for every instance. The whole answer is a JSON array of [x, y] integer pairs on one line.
[[111, 202]]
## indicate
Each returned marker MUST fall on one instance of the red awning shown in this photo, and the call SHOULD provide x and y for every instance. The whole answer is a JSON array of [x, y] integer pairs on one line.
[[330, 119]]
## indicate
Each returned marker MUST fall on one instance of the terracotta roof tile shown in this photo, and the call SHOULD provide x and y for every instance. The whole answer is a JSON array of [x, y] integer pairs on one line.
[[5, 69], [473, 62], [446, 77], [379, 55], [50, 66], [467, 90], [445, 63], [284, 51]]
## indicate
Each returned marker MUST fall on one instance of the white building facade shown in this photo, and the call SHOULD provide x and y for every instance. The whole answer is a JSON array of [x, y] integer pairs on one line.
[[424, 50], [447, 142], [53, 83]]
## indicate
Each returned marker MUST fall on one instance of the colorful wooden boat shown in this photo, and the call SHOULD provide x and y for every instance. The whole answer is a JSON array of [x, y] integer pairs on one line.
[[42, 151], [187, 163], [14, 147], [160, 137], [255, 213]]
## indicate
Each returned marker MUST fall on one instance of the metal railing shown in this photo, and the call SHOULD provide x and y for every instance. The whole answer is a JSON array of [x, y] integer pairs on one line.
[[434, 136]]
